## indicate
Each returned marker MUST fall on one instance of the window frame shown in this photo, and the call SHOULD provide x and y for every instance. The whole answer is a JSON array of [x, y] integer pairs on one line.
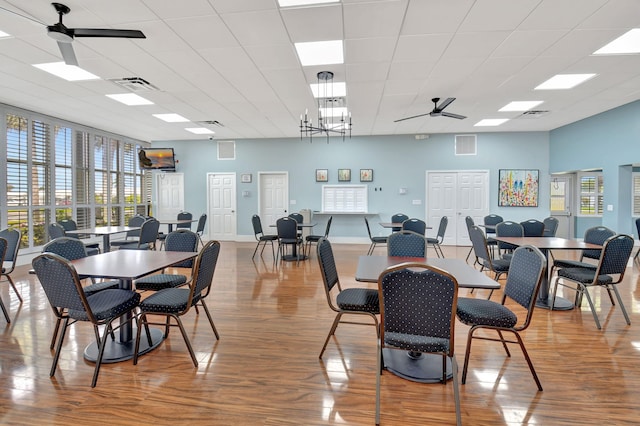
[[597, 194]]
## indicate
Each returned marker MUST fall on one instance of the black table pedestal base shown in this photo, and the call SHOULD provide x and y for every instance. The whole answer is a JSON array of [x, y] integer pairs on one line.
[[116, 351], [561, 304], [423, 368]]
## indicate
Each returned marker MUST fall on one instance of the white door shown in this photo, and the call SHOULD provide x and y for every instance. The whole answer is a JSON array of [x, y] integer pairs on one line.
[[221, 201], [273, 197], [560, 204], [170, 195], [457, 194]]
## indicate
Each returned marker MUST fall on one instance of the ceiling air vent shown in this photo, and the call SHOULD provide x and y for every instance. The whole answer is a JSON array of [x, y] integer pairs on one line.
[[466, 145], [210, 123], [134, 84], [533, 114]]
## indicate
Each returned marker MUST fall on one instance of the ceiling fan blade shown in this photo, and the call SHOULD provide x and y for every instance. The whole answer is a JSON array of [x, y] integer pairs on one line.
[[106, 32], [451, 115], [445, 104], [409, 118], [68, 54]]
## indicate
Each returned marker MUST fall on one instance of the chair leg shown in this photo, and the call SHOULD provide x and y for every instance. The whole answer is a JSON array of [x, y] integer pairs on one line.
[[371, 247], [6, 315], [467, 355], [256, 249], [593, 308], [102, 342], [56, 356], [55, 333], [526, 357], [336, 321], [504, 343], [378, 374], [186, 339], [206, 310], [456, 390], [624, 311]]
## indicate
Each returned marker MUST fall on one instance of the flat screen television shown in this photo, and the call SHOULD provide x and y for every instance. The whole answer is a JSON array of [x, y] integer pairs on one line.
[[157, 159]]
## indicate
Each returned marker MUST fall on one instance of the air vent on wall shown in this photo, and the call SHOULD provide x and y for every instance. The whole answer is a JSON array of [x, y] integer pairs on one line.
[[533, 114], [226, 150], [134, 84], [465, 145]]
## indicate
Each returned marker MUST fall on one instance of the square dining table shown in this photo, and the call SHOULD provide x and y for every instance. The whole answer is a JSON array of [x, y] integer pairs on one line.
[[105, 231], [126, 266]]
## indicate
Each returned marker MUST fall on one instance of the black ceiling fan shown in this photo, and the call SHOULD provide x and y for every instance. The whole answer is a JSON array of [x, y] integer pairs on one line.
[[65, 36], [438, 110]]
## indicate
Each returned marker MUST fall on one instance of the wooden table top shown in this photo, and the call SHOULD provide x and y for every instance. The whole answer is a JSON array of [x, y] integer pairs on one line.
[[551, 243], [370, 267], [128, 264]]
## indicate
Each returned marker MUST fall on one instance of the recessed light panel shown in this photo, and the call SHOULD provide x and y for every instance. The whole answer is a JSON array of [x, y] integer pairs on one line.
[[491, 122], [290, 3], [520, 106], [171, 118], [3, 34], [564, 81], [320, 52], [200, 130], [626, 44], [67, 72], [130, 99]]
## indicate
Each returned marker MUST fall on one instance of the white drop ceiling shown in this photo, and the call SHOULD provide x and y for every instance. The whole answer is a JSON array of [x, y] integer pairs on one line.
[[234, 61]]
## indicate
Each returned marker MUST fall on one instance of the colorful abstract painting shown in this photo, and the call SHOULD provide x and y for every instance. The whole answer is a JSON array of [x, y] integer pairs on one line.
[[518, 188]]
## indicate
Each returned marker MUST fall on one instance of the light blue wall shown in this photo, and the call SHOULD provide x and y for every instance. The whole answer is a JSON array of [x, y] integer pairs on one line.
[[397, 161], [609, 141]]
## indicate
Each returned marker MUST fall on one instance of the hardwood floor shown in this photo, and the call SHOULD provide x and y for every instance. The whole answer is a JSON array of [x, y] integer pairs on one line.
[[265, 370]]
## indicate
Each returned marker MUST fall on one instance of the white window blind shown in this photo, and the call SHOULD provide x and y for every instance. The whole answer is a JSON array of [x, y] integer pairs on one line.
[[636, 194], [344, 199]]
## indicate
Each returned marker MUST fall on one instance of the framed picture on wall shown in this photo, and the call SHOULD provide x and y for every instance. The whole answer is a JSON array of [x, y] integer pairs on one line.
[[518, 188], [344, 175], [322, 175], [366, 175]]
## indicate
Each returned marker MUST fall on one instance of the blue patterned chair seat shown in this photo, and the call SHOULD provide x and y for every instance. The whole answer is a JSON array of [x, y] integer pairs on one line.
[[499, 265], [416, 343], [104, 285], [584, 275], [108, 304], [159, 281], [168, 300], [568, 263], [359, 299], [485, 312]]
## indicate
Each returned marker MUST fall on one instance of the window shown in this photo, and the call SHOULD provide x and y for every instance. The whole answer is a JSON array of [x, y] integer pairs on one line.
[[591, 193], [636, 194], [55, 170]]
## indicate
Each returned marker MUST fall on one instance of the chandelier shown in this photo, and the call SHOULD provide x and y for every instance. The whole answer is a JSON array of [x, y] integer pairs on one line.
[[333, 118]]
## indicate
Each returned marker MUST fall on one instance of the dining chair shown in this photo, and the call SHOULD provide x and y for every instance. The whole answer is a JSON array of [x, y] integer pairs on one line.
[[287, 229], [148, 236], [73, 249], [469, 222], [406, 244], [528, 265], [3, 252], [178, 240], [550, 226], [175, 302], [71, 225], [499, 267], [610, 271], [202, 221], [349, 301], [374, 240], [416, 225], [398, 218], [594, 235], [533, 228], [56, 230], [417, 314], [131, 236], [435, 242], [180, 216], [310, 239], [299, 219], [636, 258], [490, 221], [508, 229], [13, 237], [71, 304], [261, 237]]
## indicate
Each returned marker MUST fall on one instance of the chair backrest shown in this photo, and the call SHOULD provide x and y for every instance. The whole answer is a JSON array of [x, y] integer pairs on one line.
[[526, 272], [616, 251], [550, 226], [418, 302], [638, 226], [416, 225], [257, 226], [135, 221], [469, 222], [201, 223], [366, 222], [68, 224], [3, 249], [287, 228], [13, 237], [328, 228], [492, 220], [149, 232], [203, 270], [398, 218], [61, 284], [184, 216], [596, 235], [297, 217], [532, 228], [508, 229], [327, 267], [182, 240], [442, 228], [66, 247], [480, 249], [406, 244], [56, 231]]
